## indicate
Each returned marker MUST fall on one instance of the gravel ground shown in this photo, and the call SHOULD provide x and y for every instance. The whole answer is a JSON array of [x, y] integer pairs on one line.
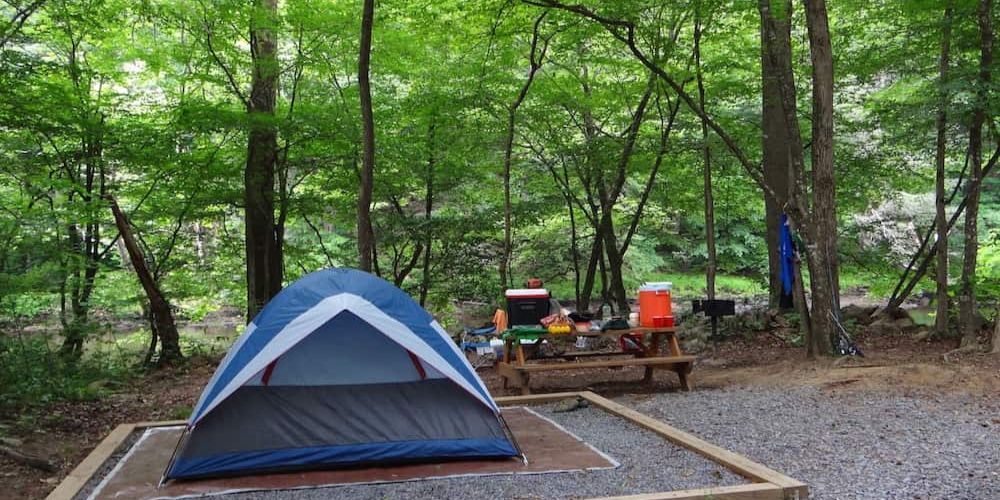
[[850, 444], [844, 444], [649, 464]]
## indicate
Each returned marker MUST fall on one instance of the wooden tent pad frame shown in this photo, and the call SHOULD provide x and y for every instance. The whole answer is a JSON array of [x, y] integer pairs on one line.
[[766, 484]]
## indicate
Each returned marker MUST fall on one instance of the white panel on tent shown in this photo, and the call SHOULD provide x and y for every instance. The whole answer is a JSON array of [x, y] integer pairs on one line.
[[345, 351]]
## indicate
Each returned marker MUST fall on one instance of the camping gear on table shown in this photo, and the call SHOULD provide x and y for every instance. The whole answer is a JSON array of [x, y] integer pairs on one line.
[[615, 323], [525, 332], [557, 324], [631, 342], [500, 320], [339, 369], [527, 306], [654, 302], [488, 330]]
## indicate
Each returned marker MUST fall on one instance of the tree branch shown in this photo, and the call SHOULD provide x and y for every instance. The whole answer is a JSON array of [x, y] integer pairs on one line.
[[233, 86]]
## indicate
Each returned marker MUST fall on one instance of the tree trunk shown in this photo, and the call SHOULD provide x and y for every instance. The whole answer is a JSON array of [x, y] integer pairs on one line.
[[608, 196], [596, 259], [616, 287], [707, 167], [824, 270], [535, 57], [802, 307], [75, 328], [941, 222], [84, 244], [425, 279], [574, 242], [777, 166], [996, 334], [590, 277], [263, 248], [159, 308], [366, 234], [796, 204], [967, 295]]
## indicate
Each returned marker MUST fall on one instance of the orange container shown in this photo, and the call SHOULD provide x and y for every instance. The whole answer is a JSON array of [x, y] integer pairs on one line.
[[654, 301]]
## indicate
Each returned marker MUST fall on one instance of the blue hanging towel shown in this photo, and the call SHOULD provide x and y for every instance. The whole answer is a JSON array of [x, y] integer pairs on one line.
[[787, 250]]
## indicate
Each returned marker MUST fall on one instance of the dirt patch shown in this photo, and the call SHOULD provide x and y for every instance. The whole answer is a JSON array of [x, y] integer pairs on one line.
[[66, 432]]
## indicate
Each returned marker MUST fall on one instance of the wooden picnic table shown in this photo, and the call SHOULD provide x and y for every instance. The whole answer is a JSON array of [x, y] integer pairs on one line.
[[516, 369]]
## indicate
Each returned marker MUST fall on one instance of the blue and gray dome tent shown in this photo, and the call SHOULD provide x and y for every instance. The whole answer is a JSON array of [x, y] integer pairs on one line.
[[341, 368]]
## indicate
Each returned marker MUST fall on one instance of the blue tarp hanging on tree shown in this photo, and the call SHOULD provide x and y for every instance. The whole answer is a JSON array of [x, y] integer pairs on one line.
[[787, 250]]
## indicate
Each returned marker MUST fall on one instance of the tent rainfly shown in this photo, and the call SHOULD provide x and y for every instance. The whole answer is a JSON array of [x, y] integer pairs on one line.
[[339, 369]]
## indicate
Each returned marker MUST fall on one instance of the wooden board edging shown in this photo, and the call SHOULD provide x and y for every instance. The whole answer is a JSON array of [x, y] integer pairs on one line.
[[791, 488], [536, 398], [71, 485], [768, 483], [78, 478], [756, 491]]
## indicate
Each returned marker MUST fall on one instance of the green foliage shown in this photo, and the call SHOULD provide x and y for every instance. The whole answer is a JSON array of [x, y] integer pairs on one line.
[[180, 412], [149, 97], [32, 373], [988, 269]]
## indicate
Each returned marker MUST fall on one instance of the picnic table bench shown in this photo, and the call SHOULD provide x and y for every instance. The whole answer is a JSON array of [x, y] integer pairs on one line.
[[515, 369]]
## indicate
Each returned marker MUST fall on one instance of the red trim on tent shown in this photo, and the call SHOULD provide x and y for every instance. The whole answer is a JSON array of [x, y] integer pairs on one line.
[[264, 379], [417, 365]]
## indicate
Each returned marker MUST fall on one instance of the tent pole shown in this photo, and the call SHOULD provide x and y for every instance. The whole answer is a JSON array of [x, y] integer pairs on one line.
[[513, 439]]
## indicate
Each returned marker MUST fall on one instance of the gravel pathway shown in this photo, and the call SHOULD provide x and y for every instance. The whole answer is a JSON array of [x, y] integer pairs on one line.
[[850, 444], [648, 464], [844, 444]]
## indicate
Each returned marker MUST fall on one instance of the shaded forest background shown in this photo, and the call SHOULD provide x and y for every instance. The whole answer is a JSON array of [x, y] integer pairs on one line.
[[177, 160]]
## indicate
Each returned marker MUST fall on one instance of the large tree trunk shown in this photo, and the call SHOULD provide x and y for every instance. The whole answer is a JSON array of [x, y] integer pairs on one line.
[[366, 234], [796, 205], [163, 318], [263, 247], [776, 143], [824, 270], [707, 167], [941, 221], [967, 295]]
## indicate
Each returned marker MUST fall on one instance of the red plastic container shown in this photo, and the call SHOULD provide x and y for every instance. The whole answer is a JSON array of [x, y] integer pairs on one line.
[[663, 321], [654, 300]]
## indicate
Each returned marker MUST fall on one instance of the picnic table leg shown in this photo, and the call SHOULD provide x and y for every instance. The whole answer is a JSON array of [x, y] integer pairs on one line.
[[652, 350], [683, 370], [675, 347], [525, 380], [506, 359]]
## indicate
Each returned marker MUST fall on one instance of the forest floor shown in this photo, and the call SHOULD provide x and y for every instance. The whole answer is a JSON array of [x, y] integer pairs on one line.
[[895, 365]]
